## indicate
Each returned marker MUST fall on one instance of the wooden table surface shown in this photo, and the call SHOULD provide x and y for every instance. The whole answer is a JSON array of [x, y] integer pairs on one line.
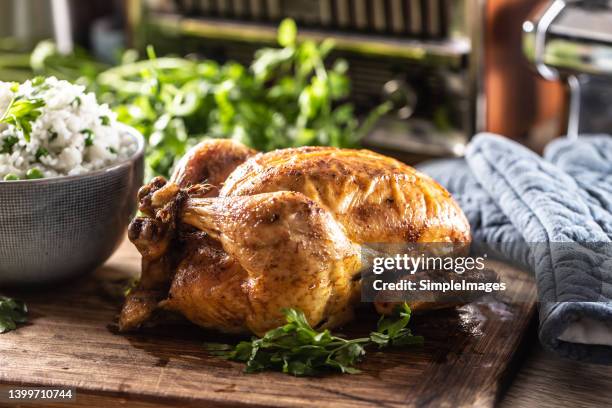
[[544, 380], [540, 380]]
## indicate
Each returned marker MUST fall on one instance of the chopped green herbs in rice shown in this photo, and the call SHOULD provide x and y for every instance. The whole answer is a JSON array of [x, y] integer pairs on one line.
[[51, 128]]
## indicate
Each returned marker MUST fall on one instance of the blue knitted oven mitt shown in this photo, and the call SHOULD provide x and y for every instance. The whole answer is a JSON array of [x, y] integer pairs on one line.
[[554, 215]]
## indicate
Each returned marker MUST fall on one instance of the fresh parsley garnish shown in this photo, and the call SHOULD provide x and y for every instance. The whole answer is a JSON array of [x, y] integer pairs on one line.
[[39, 85], [88, 136], [40, 152], [298, 349], [11, 312], [21, 113], [38, 81], [8, 143], [105, 120]]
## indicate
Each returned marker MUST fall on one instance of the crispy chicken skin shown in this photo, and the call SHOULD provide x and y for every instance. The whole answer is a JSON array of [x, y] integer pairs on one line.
[[235, 236], [374, 197], [210, 162]]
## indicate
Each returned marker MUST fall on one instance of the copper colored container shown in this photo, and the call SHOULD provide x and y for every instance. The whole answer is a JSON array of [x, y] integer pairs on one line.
[[520, 104]]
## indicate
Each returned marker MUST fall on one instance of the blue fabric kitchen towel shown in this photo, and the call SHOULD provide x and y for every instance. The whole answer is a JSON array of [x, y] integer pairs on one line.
[[554, 215]]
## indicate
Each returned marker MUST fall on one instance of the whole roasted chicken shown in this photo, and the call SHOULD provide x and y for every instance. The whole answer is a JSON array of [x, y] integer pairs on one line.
[[235, 236]]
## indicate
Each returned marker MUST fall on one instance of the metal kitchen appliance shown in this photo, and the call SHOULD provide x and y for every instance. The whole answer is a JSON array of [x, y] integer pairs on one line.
[[423, 55], [572, 41]]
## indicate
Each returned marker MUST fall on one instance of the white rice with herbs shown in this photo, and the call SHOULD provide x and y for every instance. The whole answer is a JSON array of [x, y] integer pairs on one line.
[[51, 128]]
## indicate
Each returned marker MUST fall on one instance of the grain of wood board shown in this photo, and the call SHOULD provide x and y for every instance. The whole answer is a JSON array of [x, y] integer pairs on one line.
[[72, 341]]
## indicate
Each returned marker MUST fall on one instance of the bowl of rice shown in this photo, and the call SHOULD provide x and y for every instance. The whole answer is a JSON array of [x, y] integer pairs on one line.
[[69, 174]]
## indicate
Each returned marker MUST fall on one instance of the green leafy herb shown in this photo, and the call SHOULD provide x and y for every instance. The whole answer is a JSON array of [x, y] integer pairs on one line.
[[287, 97], [48, 61], [21, 113], [39, 85], [8, 143], [105, 120], [40, 152], [287, 33], [393, 330], [89, 136], [11, 312], [38, 81], [298, 349]]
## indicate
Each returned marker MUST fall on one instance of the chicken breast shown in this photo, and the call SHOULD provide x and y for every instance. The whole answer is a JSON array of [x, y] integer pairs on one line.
[[234, 243]]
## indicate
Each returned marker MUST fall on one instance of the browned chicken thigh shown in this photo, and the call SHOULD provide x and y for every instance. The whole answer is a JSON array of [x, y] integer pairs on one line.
[[234, 237]]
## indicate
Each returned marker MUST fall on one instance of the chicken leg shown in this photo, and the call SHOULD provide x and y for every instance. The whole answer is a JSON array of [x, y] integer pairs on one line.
[[206, 164]]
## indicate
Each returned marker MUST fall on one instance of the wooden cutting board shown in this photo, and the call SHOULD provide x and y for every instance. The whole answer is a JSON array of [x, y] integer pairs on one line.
[[71, 340]]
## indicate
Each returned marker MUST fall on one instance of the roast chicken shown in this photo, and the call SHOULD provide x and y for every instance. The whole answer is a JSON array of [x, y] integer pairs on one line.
[[234, 236]]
